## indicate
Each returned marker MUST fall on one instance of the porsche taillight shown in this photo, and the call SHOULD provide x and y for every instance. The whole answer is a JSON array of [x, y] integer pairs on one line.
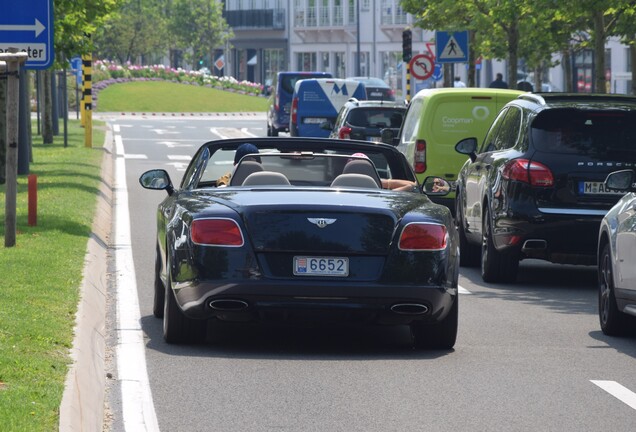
[[294, 110], [216, 232], [527, 171], [422, 236], [344, 132], [419, 159]]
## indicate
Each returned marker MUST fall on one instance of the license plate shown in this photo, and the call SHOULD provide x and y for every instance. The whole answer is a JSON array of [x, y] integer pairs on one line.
[[596, 188], [375, 94], [321, 266], [314, 120], [374, 139]]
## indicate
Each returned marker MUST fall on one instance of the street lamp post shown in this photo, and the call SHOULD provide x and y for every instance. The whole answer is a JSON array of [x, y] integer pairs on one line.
[[358, 37]]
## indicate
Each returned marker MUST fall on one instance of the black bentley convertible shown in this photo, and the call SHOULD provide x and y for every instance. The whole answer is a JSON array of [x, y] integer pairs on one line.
[[305, 228]]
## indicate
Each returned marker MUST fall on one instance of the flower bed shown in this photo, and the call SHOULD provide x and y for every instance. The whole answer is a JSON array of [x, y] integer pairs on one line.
[[106, 73]]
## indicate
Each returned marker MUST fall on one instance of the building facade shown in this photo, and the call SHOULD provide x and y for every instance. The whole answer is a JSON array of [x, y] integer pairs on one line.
[[326, 35]]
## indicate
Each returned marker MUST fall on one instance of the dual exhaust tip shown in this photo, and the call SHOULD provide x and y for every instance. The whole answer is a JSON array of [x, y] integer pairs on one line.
[[234, 305]]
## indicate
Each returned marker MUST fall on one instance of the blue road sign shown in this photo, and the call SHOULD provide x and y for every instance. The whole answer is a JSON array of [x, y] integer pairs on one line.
[[451, 47], [438, 72], [28, 26], [76, 67]]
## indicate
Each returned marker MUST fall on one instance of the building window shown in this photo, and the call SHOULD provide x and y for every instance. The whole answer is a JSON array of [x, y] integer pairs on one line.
[[273, 62], [325, 62], [306, 61], [352, 12], [340, 66], [338, 13]]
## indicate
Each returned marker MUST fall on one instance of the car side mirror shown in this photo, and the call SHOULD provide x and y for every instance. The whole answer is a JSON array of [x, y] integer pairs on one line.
[[388, 136], [436, 186], [157, 179], [467, 146], [326, 126], [620, 180]]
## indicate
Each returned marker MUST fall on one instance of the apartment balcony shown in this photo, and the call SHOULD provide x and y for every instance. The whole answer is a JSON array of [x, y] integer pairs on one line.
[[255, 19]]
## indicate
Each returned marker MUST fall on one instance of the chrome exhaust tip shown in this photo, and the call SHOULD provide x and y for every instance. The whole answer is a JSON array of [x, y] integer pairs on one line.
[[228, 305], [409, 308], [534, 244]]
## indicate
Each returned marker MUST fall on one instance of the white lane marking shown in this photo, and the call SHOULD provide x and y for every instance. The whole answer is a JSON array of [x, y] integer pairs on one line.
[[163, 131], [135, 156], [138, 410], [179, 157], [226, 133], [246, 132], [179, 166], [172, 144], [462, 290], [116, 128], [620, 392]]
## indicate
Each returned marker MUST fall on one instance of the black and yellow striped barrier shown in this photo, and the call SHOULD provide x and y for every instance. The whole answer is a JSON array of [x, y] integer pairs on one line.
[[87, 99]]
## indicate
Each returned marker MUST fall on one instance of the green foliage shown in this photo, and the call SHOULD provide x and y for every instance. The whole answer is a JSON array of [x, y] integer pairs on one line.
[[138, 29], [198, 27], [76, 21]]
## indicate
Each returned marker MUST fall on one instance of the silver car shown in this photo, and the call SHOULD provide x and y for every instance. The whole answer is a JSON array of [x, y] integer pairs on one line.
[[616, 252]]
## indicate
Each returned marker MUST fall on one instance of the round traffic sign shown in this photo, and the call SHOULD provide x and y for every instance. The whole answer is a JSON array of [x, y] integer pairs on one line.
[[422, 66]]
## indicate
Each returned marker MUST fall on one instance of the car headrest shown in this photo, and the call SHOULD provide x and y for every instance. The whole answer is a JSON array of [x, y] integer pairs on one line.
[[243, 170], [265, 178], [360, 166], [355, 181]]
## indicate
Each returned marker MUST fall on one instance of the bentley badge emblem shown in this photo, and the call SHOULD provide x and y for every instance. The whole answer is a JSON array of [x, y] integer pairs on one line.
[[321, 222]]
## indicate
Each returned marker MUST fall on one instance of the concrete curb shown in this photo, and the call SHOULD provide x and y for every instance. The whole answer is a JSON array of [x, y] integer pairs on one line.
[[82, 407]]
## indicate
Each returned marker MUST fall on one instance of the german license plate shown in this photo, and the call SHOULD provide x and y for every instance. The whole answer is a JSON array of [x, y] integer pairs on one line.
[[375, 94], [314, 120], [596, 188], [321, 266]]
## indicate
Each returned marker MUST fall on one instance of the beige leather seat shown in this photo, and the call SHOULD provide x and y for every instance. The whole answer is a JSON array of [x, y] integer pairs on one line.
[[266, 178], [360, 166], [243, 170], [354, 181]]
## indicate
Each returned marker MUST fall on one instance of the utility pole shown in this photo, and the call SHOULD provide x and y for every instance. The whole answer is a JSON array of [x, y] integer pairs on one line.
[[13, 60]]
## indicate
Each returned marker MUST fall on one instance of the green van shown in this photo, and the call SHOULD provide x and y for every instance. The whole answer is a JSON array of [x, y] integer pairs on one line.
[[437, 119]]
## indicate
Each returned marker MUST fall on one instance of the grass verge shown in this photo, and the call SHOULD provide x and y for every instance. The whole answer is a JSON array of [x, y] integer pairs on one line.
[[160, 96], [41, 276]]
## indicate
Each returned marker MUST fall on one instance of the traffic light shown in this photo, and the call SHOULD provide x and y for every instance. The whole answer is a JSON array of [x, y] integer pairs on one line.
[[407, 44]]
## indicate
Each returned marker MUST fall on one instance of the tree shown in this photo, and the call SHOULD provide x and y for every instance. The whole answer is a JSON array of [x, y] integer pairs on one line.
[[136, 31], [198, 27]]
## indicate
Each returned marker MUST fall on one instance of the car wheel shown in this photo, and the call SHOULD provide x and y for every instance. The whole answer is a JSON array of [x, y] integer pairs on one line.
[[613, 321], [177, 328], [495, 266], [160, 290], [469, 254], [440, 335]]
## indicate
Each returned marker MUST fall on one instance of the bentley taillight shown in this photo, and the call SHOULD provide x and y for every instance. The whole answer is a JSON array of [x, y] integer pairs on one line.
[[419, 158], [418, 236], [344, 132], [216, 232], [527, 171]]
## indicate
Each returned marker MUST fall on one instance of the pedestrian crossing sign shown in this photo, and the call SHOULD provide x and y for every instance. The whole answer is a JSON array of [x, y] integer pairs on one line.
[[451, 47]]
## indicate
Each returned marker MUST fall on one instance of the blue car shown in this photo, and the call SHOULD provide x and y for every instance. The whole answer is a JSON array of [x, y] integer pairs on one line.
[[316, 103], [281, 97]]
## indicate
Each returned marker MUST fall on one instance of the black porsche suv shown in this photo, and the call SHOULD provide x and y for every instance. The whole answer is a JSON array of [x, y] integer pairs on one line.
[[534, 188]]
